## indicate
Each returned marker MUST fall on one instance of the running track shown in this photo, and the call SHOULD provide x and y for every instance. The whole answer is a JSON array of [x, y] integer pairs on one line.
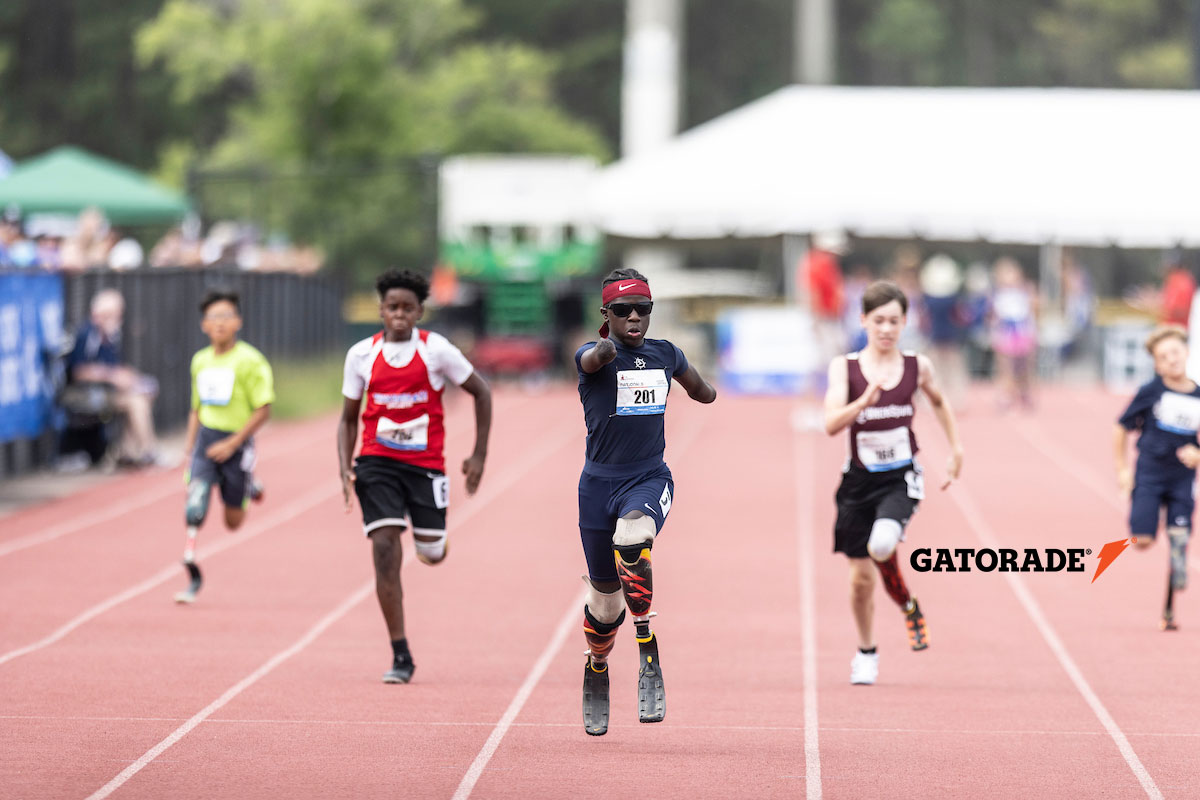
[[1035, 685]]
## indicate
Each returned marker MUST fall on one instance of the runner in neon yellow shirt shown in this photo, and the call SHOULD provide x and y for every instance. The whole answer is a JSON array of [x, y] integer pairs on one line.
[[232, 392]]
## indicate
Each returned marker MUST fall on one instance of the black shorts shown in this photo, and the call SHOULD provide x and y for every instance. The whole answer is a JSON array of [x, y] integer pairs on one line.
[[231, 475], [864, 497], [388, 490]]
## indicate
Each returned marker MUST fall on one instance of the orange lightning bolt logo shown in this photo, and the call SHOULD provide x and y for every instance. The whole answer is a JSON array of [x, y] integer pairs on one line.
[[1109, 553]]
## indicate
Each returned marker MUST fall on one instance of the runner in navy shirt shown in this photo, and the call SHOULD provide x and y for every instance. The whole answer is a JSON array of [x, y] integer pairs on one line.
[[1166, 413], [626, 490]]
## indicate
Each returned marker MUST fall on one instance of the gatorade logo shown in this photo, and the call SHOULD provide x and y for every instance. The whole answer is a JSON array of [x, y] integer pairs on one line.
[[966, 559]]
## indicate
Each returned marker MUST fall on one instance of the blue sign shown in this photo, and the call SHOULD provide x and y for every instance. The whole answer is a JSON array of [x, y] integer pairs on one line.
[[31, 314]]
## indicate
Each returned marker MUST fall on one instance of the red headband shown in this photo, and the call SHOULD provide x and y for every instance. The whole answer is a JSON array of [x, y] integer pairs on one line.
[[630, 287]]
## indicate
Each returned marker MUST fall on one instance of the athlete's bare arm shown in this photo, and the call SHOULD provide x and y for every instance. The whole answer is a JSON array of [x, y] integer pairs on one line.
[[222, 450], [838, 411], [697, 388], [595, 358], [927, 382], [472, 467], [347, 436]]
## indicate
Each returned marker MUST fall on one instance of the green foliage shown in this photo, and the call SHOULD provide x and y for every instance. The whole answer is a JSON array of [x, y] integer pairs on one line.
[[339, 99], [909, 37], [307, 388]]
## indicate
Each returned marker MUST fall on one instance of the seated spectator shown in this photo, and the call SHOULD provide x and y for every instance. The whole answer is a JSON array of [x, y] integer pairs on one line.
[[96, 358]]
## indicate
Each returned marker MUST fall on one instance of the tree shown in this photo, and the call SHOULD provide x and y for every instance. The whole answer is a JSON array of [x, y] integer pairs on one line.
[[344, 96]]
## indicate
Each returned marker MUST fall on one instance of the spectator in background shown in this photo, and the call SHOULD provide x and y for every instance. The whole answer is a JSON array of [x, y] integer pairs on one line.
[[97, 358], [858, 278], [1079, 303], [821, 278], [124, 251], [1013, 319], [1179, 288], [941, 284], [905, 272]]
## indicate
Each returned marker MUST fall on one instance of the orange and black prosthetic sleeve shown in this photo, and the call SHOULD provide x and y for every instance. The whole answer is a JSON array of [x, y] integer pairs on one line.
[[636, 575], [600, 635]]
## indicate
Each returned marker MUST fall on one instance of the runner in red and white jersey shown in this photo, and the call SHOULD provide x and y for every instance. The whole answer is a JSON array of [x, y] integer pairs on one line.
[[400, 473], [871, 393]]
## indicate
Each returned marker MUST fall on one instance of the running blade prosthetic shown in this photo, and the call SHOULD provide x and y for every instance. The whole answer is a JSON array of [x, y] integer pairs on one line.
[[652, 695], [188, 595], [595, 699]]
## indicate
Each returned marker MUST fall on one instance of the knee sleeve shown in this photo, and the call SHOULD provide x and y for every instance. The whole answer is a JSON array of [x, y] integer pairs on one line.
[[431, 552], [606, 608], [196, 510], [885, 535]]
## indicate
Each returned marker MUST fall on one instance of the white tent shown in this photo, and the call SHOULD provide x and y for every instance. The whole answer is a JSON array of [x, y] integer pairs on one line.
[[1069, 166]]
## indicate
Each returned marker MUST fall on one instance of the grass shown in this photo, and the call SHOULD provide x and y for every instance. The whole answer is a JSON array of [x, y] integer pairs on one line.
[[307, 387]]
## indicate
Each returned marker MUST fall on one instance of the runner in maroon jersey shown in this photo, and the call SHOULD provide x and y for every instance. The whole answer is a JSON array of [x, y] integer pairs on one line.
[[871, 392], [400, 474]]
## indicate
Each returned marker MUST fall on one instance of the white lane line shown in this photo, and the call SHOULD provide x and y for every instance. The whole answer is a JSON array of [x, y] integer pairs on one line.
[[172, 486], [496, 489], [566, 625], [174, 571], [808, 617], [569, 620], [233, 691], [982, 530]]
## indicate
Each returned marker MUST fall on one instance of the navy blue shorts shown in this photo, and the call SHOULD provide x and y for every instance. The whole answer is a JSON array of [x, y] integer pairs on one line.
[[602, 501], [1152, 492], [232, 475]]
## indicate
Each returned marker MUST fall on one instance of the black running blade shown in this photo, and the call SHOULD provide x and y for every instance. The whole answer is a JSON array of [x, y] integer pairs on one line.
[[652, 695], [196, 580], [595, 701]]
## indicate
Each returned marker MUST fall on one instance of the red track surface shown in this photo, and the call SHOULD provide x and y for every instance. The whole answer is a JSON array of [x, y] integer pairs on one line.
[[1035, 685]]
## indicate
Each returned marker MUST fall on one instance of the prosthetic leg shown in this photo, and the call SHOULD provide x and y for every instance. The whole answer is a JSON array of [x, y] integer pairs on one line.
[[197, 509], [631, 549]]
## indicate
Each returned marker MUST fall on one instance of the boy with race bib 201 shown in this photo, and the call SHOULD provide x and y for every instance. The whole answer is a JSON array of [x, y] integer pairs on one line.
[[626, 489]]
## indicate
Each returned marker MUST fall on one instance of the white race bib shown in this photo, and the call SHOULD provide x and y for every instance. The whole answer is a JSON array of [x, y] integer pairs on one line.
[[880, 451], [641, 392], [214, 385], [411, 435], [1178, 413]]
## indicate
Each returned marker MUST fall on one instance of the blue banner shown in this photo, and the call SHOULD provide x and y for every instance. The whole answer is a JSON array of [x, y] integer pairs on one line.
[[31, 314]]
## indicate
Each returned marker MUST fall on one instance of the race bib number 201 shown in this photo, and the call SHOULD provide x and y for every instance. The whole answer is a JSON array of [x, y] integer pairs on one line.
[[641, 392]]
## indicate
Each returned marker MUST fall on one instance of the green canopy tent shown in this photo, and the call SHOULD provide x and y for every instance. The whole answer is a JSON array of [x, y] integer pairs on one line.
[[67, 180]]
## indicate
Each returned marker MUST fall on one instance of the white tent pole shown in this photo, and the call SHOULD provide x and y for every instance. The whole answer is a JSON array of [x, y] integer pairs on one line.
[[814, 41]]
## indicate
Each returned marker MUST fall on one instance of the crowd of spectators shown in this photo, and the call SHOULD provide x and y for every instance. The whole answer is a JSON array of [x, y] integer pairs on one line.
[[89, 241]]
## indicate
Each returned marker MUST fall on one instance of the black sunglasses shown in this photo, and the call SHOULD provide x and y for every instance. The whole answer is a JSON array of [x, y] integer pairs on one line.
[[623, 309]]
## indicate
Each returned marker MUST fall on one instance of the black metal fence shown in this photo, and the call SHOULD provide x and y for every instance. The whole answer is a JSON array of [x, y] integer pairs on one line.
[[286, 316]]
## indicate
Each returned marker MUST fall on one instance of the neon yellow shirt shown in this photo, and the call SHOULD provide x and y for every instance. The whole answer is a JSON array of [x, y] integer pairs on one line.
[[228, 388]]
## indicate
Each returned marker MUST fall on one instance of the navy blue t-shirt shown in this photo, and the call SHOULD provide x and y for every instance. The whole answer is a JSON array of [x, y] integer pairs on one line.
[[624, 403], [93, 347], [1167, 421]]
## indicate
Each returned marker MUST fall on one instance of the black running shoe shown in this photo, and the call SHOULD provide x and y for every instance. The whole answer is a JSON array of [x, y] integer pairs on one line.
[[918, 635], [401, 671], [652, 695], [196, 580], [257, 491], [595, 699], [1168, 621]]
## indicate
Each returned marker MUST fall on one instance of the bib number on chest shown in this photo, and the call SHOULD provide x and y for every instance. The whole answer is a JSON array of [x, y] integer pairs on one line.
[[408, 436], [880, 451], [641, 392], [1178, 413], [214, 385]]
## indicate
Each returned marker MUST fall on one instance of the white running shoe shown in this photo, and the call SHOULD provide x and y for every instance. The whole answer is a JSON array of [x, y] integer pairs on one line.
[[864, 668]]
